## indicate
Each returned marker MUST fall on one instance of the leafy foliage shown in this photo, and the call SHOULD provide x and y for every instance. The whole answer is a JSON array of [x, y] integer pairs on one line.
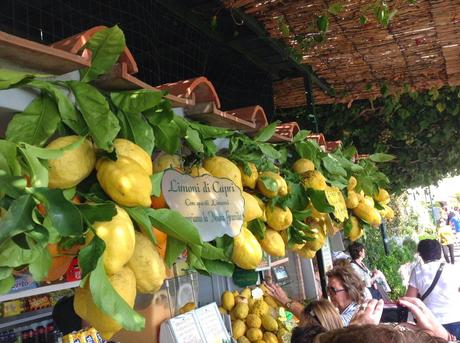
[[417, 127]]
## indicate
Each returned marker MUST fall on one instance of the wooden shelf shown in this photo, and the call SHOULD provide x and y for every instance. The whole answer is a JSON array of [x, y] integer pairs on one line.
[[39, 290], [24, 318], [278, 262]]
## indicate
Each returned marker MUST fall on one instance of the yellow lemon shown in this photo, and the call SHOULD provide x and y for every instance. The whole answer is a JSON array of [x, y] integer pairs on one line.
[[260, 307], [228, 300], [303, 165], [238, 328], [125, 181], [252, 209], [277, 218], [222, 167], [307, 253], [253, 321], [254, 334], [119, 238], [352, 182], [165, 161], [73, 166], [367, 213], [124, 283], [249, 181], [198, 171], [270, 337], [273, 243], [247, 253], [187, 308], [269, 323], [292, 247], [147, 265], [124, 147], [246, 293], [356, 230], [352, 200], [369, 201], [262, 207], [382, 196], [319, 241], [271, 184], [241, 310]]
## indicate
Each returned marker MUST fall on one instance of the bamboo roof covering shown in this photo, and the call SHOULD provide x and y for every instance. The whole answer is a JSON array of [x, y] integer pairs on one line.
[[420, 47]]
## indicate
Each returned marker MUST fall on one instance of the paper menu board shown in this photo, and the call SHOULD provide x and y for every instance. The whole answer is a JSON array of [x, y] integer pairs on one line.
[[203, 325], [211, 322], [186, 329]]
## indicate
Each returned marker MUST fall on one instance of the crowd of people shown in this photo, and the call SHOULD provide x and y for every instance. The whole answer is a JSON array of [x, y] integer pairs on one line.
[[357, 299]]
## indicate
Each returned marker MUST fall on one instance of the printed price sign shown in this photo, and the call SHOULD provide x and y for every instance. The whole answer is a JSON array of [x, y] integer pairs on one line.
[[335, 198], [214, 205]]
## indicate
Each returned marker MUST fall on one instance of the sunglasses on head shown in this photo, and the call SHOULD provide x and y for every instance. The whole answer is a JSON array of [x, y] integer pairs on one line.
[[334, 291]]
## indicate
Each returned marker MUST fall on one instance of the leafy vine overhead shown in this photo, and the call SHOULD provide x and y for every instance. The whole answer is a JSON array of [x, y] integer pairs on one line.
[[379, 10], [421, 128]]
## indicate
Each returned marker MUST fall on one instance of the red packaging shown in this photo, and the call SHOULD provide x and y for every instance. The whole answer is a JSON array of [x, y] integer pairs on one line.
[[73, 272]]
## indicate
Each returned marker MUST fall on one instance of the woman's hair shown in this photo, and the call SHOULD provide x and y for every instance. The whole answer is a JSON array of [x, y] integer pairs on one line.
[[350, 280], [322, 312], [355, 249], [371, 333], [306, 334], [341, 262], [429, 249]]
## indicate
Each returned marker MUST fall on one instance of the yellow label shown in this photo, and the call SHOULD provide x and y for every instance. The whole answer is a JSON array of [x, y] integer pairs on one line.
[[335, 198]]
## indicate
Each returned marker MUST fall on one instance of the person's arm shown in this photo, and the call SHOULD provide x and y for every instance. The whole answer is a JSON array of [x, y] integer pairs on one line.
[[280, 295], [411, 292]]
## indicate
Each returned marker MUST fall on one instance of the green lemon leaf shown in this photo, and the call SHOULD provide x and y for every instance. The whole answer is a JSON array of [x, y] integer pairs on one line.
[[308, 149], [258, 228], [103, 125], [167, 137], [174, 249], [196, 262], [39, 235], [161, 114], [380, 157], [301, 215], [301, 136], [136, 129], [89, 255], [141, 218], [245, 278], [194, 141], [5, 272], [12, 255], [6, 284], [136, 101], [333, 166], [222, 268], [347, 227], [12, 78], [156, 179], [48, 154], [208, 132], [225, 242], [297, 197], [269, 151], [12, 186], [36, 124], [363, 20], [106, 46], [174, 224], [40, 266], [8, 150], [211, 252], [18, 218], [69, 114], [109, 301], [319, 200], [102, 212], [64, 215], [37, 171], [210, 148], [266, 133]]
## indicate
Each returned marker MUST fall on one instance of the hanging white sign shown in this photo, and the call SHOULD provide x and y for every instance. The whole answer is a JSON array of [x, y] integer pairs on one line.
[[214, 205]]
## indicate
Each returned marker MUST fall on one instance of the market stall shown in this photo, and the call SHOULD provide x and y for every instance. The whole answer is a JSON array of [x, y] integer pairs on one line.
[[136, 189]]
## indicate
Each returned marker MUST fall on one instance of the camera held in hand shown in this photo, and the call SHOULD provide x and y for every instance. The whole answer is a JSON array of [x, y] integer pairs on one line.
[[394, 313]]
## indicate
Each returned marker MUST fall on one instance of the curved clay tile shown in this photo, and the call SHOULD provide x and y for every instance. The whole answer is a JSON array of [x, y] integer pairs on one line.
[[333, 145], [253, 114], [200, 90], [285, 132], [318, 137], [75, 43]]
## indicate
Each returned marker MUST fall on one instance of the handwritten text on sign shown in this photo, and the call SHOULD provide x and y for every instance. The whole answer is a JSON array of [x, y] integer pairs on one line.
[[214, 205]]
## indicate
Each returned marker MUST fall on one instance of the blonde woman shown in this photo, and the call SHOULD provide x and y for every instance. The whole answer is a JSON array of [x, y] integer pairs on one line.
[[322, 312]]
